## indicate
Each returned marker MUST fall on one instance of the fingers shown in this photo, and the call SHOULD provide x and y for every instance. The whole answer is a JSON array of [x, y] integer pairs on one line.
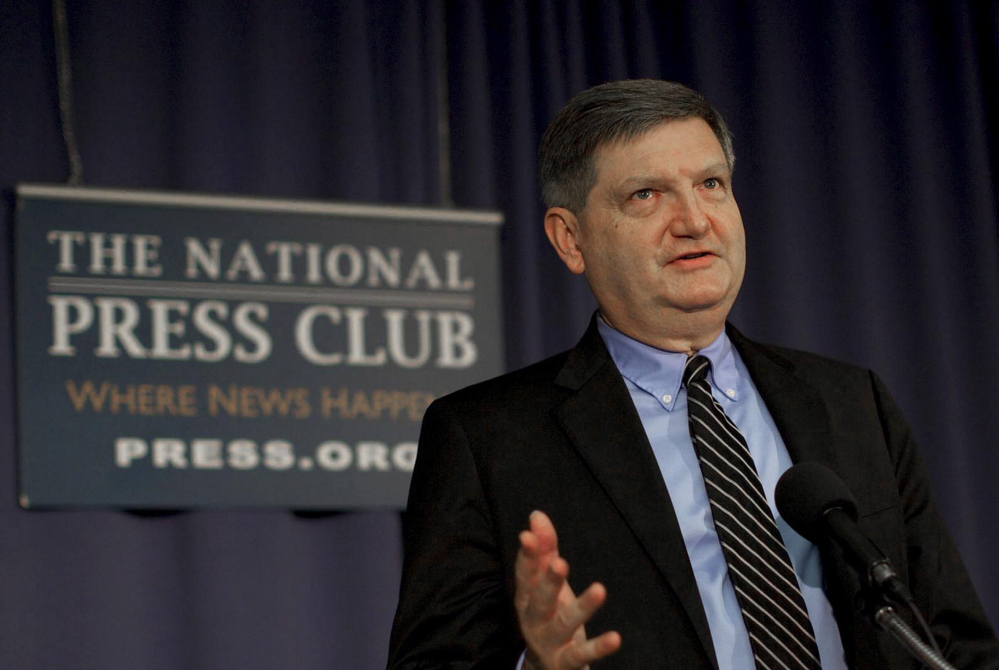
[[583, 653], [544, 598], [544, 530], [561, 642], [539, 581], [540, 541], [552, 618], [538, 552], [568, 617]]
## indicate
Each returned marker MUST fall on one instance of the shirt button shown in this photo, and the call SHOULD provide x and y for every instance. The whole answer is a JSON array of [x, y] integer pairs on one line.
[[730, 393], [667, 399]]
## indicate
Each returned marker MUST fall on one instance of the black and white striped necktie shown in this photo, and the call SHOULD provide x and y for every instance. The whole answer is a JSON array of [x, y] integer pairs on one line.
[[758, 564]]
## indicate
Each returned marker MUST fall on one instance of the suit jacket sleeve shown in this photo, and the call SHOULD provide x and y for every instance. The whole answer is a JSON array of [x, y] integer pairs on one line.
[[450, 618], [937, 577]]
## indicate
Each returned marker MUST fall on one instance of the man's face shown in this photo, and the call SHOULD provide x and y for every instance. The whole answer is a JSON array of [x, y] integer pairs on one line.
[[661, 238]]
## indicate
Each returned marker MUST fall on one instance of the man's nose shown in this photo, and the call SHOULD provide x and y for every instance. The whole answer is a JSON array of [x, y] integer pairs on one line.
[[690, 219]]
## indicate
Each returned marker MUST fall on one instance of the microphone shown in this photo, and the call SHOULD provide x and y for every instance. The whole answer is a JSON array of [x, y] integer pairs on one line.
[[818, 505]]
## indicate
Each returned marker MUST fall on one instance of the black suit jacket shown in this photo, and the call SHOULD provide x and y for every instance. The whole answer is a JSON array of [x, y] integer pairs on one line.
[[563, 436]]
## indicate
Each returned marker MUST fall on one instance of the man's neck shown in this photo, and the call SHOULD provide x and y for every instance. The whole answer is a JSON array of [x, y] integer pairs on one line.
[[687, 338]]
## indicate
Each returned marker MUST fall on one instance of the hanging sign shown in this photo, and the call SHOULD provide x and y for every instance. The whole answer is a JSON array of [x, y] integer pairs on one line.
[[180, 351]]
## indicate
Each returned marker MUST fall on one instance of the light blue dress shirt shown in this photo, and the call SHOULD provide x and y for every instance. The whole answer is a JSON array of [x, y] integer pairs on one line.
[[654, 377]]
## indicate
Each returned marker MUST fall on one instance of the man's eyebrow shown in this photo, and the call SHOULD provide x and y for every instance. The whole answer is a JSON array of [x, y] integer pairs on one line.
[[716, 168], [640, 180]]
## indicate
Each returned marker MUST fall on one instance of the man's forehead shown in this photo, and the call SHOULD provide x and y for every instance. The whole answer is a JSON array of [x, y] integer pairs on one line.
[[626, 142]]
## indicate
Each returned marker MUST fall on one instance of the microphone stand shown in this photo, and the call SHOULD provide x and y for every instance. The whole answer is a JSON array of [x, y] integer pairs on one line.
[[889, 620]]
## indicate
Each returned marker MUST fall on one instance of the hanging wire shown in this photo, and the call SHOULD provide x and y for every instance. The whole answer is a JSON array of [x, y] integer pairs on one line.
[[443, 117], [64, 75]]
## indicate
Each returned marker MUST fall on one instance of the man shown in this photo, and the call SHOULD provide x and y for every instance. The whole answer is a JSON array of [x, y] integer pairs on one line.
[[602, 443]]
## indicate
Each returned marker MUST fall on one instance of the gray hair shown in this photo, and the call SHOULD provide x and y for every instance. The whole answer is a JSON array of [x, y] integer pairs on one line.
[[612, 112]]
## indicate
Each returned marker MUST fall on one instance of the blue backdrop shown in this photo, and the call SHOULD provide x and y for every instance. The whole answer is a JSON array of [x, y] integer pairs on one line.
[[867, 156]]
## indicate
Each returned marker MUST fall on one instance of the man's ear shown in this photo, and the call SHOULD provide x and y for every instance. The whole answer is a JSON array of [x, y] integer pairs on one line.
[[562, 228]]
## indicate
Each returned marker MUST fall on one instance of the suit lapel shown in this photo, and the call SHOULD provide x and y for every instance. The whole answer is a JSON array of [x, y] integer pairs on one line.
[[795, 405], [603, 424], [804, 424]]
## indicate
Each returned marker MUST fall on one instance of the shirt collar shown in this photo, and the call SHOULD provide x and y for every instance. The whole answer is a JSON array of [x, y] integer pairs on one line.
[[660, 373]]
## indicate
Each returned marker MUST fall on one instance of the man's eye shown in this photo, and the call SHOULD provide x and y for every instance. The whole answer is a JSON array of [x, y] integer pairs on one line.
[[644, 194], [711, 182]]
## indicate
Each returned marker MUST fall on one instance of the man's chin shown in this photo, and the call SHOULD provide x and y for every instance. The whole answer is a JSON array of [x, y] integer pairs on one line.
[[704, 304]]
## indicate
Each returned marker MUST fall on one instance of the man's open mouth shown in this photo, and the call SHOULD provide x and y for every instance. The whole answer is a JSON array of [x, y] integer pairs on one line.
[[687, 257]]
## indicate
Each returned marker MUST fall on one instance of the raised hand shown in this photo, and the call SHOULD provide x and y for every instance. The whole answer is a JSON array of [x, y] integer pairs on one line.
[[551, 617]]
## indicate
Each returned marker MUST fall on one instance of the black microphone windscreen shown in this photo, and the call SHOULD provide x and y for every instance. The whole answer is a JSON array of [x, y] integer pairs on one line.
[[806, 492]]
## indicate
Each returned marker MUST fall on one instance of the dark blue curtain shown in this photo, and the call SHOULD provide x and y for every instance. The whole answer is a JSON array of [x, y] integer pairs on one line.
[[866, 172]]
